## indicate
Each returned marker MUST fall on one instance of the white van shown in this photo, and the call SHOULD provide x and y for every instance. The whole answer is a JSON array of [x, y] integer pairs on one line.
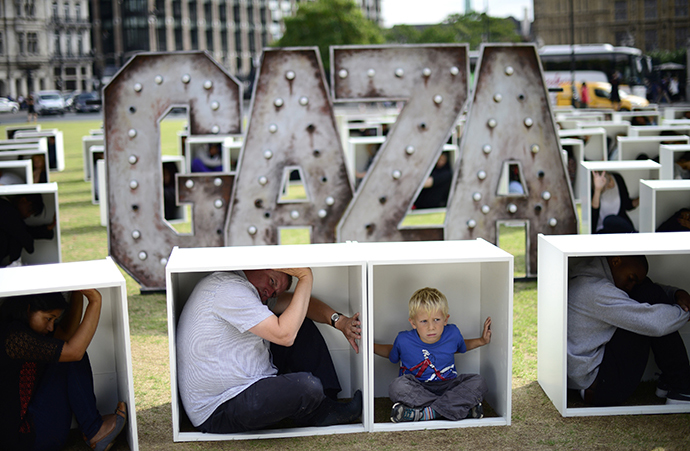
[[49, 102]]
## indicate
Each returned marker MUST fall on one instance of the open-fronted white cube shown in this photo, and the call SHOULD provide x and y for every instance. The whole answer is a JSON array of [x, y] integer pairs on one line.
[[198, 147], [86, 143], [22, 169], [34, 154], [477, 279], [10, 130], [96, 153], [676, 112], [660, 199], [594, 139], [45, 251], [649, 117], [56, 147], [631, 171], [573, 154], [339, 280], [659, 130], [668, 155], [632, 147], [669, 257], [109, 351]]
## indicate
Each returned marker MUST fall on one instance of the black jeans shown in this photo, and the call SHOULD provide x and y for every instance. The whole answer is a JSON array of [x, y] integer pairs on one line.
[[305, 373], [626, 355]]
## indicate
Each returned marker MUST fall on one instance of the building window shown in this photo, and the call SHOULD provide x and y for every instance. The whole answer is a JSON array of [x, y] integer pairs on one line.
[[68, 43], [681, 38], [32, 43], [66, 9], [77, 11], [55, 10], [30, 8], [681, 8], [56, 43], [651, 41], [20, 43], [650, 9], [2, 44], [18, 8], [80, 45], [620, 10]]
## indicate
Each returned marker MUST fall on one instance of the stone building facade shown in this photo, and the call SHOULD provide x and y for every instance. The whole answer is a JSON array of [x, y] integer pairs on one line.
[[644, 24]]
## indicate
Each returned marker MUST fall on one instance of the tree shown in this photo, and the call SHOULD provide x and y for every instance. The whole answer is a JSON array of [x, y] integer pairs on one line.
[[473, 28], [329, 22]]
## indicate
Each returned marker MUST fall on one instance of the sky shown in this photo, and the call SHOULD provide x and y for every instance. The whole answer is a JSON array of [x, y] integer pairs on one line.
[[414, 12]]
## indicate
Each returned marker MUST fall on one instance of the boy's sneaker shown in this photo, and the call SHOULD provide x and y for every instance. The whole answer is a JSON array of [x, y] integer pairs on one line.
[[678, 397], [476, 412], [400, 412]]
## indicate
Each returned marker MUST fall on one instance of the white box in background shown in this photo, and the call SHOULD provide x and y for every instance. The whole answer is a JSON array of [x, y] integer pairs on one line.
[[27, 154], [339, 280], [477, 279], [109, 351], [630, 147], [45, 251], [594, 139], [21, 168], [631, 171], [86, 143], [56, 149], [669, 257], [668, 154], [660, 199], [577, 147]]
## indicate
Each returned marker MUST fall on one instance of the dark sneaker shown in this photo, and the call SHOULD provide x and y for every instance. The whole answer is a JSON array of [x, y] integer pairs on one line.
[[332, 412], [678, 397], [662, 389], [400, 412], [476, 412]]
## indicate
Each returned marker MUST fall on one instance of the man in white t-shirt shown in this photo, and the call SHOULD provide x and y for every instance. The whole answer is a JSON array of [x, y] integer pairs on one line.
[[227, 380]]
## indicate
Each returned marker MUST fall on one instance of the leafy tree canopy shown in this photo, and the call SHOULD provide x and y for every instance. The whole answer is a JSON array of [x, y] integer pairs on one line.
[[329, 22], [473, 28]]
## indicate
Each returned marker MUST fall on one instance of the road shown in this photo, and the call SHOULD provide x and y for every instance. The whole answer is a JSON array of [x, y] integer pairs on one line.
[[21, 116]]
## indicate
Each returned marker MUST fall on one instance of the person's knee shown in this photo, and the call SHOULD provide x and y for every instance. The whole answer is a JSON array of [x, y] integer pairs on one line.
[[399, 387], [307, 384]]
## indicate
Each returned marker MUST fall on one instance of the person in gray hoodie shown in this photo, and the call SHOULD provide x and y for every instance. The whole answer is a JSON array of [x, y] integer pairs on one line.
[[616, 314]]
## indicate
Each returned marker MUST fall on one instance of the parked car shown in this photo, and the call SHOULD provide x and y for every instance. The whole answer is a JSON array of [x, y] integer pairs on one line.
[[49, 102], [87, 102], [8, 106], [600, 96]]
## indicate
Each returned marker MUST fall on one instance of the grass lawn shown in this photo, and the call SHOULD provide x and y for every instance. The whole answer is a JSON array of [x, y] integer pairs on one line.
[[535, 422]]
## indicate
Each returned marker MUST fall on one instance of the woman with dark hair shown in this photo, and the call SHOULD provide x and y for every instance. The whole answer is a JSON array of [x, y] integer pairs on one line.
[[610, 204], [45, 374]]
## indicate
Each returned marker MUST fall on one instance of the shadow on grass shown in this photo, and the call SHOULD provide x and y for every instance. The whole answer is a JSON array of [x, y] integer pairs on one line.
[[70, 231]]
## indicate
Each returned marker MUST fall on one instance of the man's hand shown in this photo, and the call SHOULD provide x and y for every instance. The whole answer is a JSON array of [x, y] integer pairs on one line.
[[351, 328], [683, 299]]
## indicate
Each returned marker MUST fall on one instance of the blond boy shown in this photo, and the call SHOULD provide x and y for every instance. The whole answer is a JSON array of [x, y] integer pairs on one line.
[[429, 387]]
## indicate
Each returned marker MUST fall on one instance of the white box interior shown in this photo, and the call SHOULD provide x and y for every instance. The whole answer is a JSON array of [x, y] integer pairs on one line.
[[629, 147], [109, 351], [613, 129], [86, 143], [12, 129], [45, 251], [59, 149], [26, 154], [577, 147], [96, 153], [659, 199], [358, 153], [669, 257], [595, 142], [194, 143], [657, 130], [675, 112], [631, 171], [20, 168], [652, 116], [339, 280], [477, 279], [668, 154]]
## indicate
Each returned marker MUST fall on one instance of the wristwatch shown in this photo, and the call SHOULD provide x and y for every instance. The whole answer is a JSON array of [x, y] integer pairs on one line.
[[335, 317]]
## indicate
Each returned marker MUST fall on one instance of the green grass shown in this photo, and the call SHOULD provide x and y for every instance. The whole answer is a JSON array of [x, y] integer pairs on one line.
[[535, 422]]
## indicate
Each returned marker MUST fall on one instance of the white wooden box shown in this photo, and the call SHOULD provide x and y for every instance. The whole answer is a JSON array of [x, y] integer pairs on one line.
[[45, 251], [650, 115], [669, 257], [21, 168], [109, 351], [201, 142], [668, 154], [631, 171], [658, 130], [595, 141], [477, 279], [86, 143], [27, 154], [56, 150], [339, 280], [96, 153], [629, 147], [675, 112], [577, 148], [12, 129], [613, 129], [659, 199], [359, 153]]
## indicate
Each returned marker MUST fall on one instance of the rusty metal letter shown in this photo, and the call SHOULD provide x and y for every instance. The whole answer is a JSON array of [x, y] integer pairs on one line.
[[510, 137], [137, 98], [292, 129], [432, 80]]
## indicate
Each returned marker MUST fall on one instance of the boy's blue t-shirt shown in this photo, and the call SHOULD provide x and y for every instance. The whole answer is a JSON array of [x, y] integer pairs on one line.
[[428, 362]]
